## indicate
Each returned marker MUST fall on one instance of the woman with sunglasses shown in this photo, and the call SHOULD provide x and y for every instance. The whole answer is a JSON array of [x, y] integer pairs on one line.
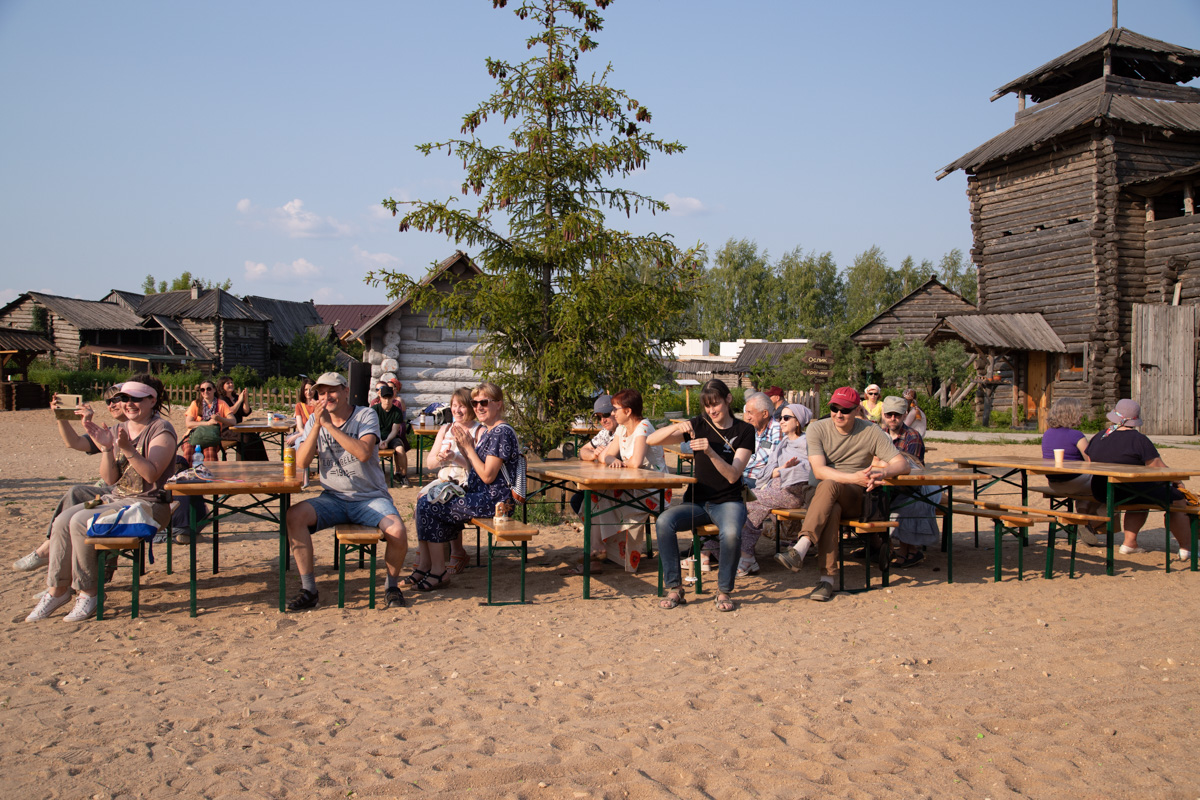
[[147, 443], [722, 446], [784, 484], [493, 462], [449, 454], [250, 446], [80, 492], [872, 405], [205, 418]]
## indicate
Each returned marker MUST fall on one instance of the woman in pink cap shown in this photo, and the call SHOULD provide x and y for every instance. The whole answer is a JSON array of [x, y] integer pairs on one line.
[[147, 443]]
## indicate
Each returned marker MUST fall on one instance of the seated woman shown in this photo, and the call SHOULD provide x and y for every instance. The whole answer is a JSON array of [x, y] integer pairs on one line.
[[249, 445], [148, 442], [80, 492], [1120, 443], [495, 453], [1063, 434], [722, 445], [627, 450], [448, 454], [205, 418], [786, 484], [304, 410], [872, 404]]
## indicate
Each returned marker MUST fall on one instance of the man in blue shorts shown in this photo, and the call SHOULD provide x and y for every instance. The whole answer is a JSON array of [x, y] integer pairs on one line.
[[345, 438]]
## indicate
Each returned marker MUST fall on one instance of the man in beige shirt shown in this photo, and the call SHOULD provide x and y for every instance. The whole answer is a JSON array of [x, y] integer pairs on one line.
[[840, 450]]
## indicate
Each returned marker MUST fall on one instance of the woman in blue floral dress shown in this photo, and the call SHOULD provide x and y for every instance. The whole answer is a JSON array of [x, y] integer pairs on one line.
[[486, 486]]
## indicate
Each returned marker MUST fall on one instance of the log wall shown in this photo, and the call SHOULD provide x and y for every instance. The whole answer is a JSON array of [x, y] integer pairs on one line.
[[64, 335], [913, 317]]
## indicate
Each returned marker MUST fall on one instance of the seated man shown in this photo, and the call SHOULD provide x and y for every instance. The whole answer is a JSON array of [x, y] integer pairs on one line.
[[759, 411], [905, 438], [840, 451], [345, 438], [391, 428], [776, 395], [918, 523], [602, 411]]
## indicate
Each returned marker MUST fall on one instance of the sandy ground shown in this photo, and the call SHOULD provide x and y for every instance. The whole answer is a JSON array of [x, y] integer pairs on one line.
[[1040, 688]]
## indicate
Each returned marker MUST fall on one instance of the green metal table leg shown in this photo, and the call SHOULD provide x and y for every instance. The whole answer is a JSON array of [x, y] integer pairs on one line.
[[137, 580], [103, 563], [948, 536], [341, 575], [1111, 496], [998, 535], [587, 545], [371, 591]]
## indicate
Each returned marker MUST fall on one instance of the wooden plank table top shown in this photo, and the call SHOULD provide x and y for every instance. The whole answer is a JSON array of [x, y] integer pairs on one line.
[[937, 476], [584, 430], [1117, 473], [589, 476], [263, 426], [241, 477]]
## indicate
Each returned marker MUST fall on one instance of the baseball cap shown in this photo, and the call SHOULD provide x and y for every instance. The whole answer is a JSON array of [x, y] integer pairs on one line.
[[386, 391], [603, 404], [331, 379], [845, 396], [895, 405]]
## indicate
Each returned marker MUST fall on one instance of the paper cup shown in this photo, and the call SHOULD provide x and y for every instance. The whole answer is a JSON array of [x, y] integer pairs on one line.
[[1058, 457]]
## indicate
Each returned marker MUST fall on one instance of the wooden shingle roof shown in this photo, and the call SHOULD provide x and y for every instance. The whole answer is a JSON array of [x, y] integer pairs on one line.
[[1133, 56], [13, 340], [999, 332], [773, 352], [912, 316], [190, 344], [289, 318], [348, 318], [211, 304], [87, 315]]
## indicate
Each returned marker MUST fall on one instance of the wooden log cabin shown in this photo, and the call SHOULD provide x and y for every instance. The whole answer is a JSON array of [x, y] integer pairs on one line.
[[912, 317], [80, 328], [430, 361], [1067, 213]]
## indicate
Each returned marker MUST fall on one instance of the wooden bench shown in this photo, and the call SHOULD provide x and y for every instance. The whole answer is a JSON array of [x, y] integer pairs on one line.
[[131, 547], [355, 539], [1069, 521], [882, 527], [516, 536], [386, 464], [1014, 522]]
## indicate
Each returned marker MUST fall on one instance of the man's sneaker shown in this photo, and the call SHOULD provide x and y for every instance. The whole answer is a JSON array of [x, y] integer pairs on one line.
[[1185, 555], [747, 567], [405, 483], [790, 559], [30, 562], [47, 605], [393, 597], [303, 601], [159, 538], [823, 593], [85, 608]]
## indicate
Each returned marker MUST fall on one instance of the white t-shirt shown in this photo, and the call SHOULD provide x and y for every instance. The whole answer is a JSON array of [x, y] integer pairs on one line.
[[653, 458]]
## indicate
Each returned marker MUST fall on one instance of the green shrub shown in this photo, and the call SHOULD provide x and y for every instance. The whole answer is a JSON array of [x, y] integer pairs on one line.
[[81, 381], [181, 379], [245, 377], [963, 418]]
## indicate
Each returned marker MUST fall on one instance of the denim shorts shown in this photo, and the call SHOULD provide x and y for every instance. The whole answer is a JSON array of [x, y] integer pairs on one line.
[[332, 511]]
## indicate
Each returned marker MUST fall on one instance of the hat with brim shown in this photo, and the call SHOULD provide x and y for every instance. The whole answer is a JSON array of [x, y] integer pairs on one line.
[[895, 405], [1127, 413], [331, 379], [137, 389]]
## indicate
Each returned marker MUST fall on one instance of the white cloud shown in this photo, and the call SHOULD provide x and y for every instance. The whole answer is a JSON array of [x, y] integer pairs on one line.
[[375, 260], [294, 220], [255, 270], [684, 206], [327, 295], [301, 268]]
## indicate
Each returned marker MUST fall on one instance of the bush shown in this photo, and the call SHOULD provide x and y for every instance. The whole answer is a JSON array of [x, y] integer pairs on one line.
[[244, 377], [963, 418], [182, 379], [82, 381]]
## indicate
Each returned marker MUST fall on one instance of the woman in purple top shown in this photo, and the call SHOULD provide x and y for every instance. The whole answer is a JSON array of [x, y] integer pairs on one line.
[[1063, 434]]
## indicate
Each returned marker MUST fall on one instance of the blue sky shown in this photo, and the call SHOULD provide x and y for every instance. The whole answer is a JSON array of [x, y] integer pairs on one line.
[[254, 140]]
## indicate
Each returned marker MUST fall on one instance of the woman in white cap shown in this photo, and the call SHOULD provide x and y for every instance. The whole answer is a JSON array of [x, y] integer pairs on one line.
[[1122, 443], [785, 485], [872, 404], [147, 442]]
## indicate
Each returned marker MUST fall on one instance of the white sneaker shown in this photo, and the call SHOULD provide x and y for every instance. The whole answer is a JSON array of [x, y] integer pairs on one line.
[[30, 562], [47, 606], [1126, 550], [1185, 555], [85, 608]]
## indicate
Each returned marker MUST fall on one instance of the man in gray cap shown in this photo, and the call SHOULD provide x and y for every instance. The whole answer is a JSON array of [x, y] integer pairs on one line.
[[346, 440], [602, 411]]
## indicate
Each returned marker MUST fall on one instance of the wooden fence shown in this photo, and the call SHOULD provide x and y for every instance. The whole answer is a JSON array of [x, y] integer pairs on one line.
[[260, 398]]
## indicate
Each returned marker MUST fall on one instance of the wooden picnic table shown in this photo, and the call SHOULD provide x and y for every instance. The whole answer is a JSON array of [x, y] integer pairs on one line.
[[682, 457], [640, 484], [921, 486], [264, 482], [268, 430], [1116, 473]]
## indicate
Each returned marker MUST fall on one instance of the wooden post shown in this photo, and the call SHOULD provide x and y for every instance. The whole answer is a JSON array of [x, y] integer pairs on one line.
[[1021, 100], [1149, 209], [1114, 14], [1189, 200]]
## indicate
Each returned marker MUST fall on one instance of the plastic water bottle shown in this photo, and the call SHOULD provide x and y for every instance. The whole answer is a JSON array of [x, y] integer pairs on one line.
[[197, 458]]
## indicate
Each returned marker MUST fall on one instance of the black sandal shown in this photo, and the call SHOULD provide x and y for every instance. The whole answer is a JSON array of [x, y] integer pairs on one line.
[[425, 586], [416, 577]]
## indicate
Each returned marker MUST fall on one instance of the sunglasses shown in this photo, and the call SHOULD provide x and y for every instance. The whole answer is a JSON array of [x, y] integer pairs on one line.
[[892, 414], [872, 394], [136, 399], [207, 389], [786, 416], [112, 401], [840, 410], [602, 416], [480, 403]]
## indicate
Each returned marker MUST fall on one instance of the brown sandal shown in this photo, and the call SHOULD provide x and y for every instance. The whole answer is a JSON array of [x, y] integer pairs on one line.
[[673, 599], [457, 563], [724, 605]]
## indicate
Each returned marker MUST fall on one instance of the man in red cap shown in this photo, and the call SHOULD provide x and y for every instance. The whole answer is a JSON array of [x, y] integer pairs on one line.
[[841, 449], [776, 395]]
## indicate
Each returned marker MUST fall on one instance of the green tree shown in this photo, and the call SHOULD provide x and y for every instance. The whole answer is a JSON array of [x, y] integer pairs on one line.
[[566, 304], [181, 283], [811, 293], [739, 295], [959, 275], [903, 364], [309, 354], [910, 276], [871, 286], [950, 364]]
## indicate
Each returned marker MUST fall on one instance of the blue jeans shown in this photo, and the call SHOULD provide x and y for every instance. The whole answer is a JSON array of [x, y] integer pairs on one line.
[[334, 511], [729, 519]]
